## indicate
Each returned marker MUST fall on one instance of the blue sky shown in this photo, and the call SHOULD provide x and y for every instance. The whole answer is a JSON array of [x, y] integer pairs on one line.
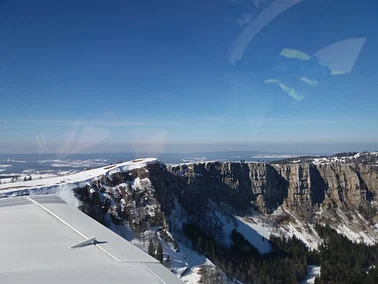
[[84, 76]]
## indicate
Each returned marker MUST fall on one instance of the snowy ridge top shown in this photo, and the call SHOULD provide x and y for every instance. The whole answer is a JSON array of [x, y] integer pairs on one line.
[[205, 162], [78, 177], [340, 158]]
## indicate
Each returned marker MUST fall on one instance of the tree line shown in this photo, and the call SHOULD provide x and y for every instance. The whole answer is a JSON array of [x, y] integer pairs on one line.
[[343, 261], [286, 263]]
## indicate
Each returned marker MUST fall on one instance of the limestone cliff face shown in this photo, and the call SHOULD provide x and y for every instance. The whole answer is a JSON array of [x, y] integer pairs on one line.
[[298, 177], [307, 193], [309, 185], [303, 187], [342, 185], [300, 186], [368, 176], [236, 184], [333, 185]]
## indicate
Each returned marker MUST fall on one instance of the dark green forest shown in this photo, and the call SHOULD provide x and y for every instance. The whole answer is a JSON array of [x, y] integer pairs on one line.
[[341, 260], [287, 263]]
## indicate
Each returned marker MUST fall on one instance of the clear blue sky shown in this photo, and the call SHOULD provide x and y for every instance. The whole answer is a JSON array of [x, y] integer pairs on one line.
[[84, 76]]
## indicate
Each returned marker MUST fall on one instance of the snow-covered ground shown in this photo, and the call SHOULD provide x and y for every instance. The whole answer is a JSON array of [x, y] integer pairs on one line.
[[13, 161], [72, 179], [82, 176], [5, 166], [323, 160], [328, 160], [312, 272], [89, 163], [184, 261], [257, 227], [351, 228], [303, 231], [275, 156], [343, 159], [256, 231], [193, 159], [33, 174], [254, 228]]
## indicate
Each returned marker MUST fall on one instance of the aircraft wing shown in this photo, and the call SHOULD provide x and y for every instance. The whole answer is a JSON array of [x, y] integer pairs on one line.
[[45, 240]]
